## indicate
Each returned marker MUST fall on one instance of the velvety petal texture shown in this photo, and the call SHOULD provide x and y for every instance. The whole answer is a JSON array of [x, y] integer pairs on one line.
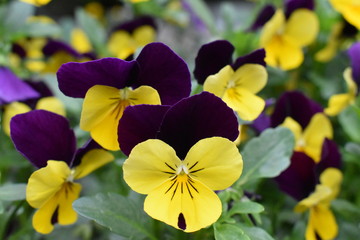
[[180, 193], [14, 89], [181, 125], [41, 136], [211, 58]]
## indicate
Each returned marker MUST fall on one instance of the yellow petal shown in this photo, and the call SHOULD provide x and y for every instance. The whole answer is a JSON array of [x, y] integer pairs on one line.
[[144, 35], [350, 9], [310, 229], [11, 110], [80, 41], [44, 183], [332, 178], [103, 107], [216, 162], [91, 161], [351, 85], [252, 77], [324, 222], [121, 44], [294, 127], [218, 83], [321, 192], [37, 3], [51, 104], [150, 164], [42, 219], [183, 203], [302, 27], [337, 103], [68, 194], [318, 129], [272, 28], [246, 104]]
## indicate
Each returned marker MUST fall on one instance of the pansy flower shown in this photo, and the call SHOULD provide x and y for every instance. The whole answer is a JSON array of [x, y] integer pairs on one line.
[[286, 33], [236, 84], [109, 85], [179, 157], [126, 38], [13, 88], [349, 9], [45, 101], [47, 141], [339, 102]]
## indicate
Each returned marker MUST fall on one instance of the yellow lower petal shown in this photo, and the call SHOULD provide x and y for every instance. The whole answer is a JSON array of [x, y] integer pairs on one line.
[[150, 164], [51, 104], [11, 110], [252, 77], [324, 222], [184, 203], [91, 161], [218, 83], [44, 183], [68, 194], [144, 35], [121, 44], [320, 194], [80, 41], [216, 162], [337, 103]]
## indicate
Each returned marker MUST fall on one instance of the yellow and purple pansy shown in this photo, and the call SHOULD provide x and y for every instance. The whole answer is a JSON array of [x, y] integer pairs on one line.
[[48, 142], [180, 156], [287, 32], [235, 83], [109, 85]]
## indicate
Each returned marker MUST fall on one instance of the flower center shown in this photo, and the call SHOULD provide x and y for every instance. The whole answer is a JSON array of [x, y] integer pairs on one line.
[[71, 176], [182, 169]]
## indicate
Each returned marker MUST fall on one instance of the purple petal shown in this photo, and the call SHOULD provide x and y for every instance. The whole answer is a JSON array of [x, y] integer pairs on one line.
[[14, 89], [295, 105], [299, 179], [264, 16], [354, 54], [19, 50], [261, 123], [330, 156], [89, 145], [41, 136], [211, 58], [165, 71], [256, 57], [194, 18], [197, 117], [139, 123], [132, 25], [54, 46], [76, 78], [292, 5]]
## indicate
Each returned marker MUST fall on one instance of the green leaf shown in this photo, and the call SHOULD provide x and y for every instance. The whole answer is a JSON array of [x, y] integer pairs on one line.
[[246, 208], [40, 29], [13, 192], [267, 155], [229, 232], [203, 12], [256, 233], [120, 214], [346, 209], [16, 15], [350, 122]]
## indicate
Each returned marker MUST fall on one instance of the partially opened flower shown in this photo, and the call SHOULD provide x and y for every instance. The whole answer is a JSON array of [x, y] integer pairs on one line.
[[310, 140], [109, 85], [180, 157], [47, 141], [129, 36], [236, 84], [322, 222], [46, 101], [349, 9], [286, 33]]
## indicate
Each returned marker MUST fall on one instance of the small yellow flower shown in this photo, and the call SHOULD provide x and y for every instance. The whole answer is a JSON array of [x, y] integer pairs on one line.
[[322, 222], [283, 39], [310, 140]]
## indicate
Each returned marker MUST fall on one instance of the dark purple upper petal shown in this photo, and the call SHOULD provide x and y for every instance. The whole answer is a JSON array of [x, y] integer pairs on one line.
[[261, 123], [41, 136], [299, 179], [295, 105], [139, 123], [211, 58], [132, 25], [354, 54], [197, 117], [264, 16], [76, 78], [14, 89], [330, 156], [19, 50], [256, 57], [54, 46], [165, 71], [292, 5]]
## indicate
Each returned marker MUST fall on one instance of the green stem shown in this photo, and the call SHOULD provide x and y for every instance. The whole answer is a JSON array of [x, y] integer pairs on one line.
[[4, 229]]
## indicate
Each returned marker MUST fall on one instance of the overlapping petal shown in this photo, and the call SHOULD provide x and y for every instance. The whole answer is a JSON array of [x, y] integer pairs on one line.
[[50, 129], [11, 110]]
